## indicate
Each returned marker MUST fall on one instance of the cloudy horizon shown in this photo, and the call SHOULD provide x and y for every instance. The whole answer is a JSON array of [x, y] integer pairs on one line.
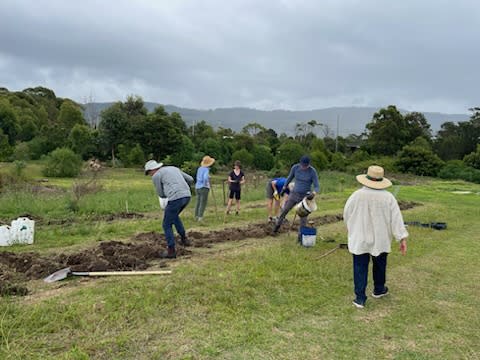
[[291, 55]]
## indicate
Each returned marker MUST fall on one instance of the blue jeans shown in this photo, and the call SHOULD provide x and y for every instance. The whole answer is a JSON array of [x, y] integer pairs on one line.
[[360, 274], [172, 217]]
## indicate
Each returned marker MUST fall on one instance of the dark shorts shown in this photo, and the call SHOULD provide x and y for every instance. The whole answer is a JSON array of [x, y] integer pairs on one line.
[[269, 190], [234, 194]]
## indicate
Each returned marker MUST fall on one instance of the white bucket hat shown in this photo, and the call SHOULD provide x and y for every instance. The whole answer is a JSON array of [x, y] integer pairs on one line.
[[152, 165], [374, 178]]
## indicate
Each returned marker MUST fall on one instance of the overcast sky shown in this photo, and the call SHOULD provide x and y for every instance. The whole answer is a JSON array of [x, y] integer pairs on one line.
[[266, 54]]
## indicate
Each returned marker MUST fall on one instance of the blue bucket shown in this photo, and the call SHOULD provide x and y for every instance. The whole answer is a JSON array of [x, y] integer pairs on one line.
[[308, 236]]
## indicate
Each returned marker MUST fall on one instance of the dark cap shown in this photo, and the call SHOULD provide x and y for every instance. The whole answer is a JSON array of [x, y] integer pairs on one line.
[[305, 160]]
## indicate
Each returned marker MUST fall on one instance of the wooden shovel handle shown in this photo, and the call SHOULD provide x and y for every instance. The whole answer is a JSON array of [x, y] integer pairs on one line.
[[126, 273]]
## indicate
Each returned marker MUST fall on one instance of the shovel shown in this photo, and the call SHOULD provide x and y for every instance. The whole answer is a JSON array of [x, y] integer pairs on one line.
[[64, 273]]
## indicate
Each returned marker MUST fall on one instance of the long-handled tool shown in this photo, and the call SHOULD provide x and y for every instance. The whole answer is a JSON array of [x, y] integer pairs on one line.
[[214, 200], [64, 273]]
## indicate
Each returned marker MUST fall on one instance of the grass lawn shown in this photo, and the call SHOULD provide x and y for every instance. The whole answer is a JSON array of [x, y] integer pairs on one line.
[[251, 299]]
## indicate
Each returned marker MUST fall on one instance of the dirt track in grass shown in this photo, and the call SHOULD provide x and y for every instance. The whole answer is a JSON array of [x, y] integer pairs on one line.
[[16, 269]]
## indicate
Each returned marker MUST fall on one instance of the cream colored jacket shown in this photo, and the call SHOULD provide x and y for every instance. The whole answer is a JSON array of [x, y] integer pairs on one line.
[[373, 218]]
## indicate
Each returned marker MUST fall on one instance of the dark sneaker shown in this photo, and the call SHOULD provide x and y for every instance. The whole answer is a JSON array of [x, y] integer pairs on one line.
[[382, 294], [169, 254], [358, 304], [276, 228], [236, 212], [185, 242]]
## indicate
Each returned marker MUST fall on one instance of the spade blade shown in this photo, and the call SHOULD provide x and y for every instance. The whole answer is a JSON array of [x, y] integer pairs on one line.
[[58, 275]]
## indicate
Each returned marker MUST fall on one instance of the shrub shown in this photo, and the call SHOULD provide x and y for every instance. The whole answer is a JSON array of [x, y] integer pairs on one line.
[[62, 162], [338, 162], [456, 169], [473, 159], [319, 160], [418, 160], [262, 157], [246, 159], [388, 164]]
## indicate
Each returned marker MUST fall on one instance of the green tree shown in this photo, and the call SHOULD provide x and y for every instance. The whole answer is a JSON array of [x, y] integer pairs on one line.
[[184, 153], [418, 160], [289, 153], [246, 159], [8, 122], [5, 148], [387, 132], [81, 140], [69, 116], [262, 157], [211, 147], [473, 159], [62, 162], [113, 127], [253, 129], [319, 160]]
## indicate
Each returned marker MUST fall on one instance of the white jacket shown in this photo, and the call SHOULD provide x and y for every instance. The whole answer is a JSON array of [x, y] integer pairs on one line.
[[373, 218]]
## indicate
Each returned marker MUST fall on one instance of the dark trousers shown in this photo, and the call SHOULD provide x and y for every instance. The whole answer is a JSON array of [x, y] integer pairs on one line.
[[293, 199], [172, 217], [360, 274], [202, 197]]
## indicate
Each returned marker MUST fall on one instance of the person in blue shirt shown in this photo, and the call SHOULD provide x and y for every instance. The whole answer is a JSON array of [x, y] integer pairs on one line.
[[274, 200], [305, 177], [202, 186]]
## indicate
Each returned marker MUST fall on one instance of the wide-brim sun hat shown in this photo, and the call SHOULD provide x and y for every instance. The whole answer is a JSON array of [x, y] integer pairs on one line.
[[207, 161], [374, 178], [152, 165]]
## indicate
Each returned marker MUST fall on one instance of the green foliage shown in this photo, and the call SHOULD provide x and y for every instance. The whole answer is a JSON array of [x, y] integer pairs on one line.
[[21, 152], [211, 147], [185, 153], [387, 162], [456, 169], [359, 155], [81, 140], [5, 148], [136, 156], [262, 157], [62, 162], [454, 141], [473, 159], [8, 122], [418, 160], [289, 153], [319, 160], [38, 146], [18, 168], [338, 162], [69, 116], [113, 126], [246, 159]]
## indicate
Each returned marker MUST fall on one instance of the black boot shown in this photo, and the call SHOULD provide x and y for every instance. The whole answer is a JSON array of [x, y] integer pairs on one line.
[[184, 241], [169, 254]]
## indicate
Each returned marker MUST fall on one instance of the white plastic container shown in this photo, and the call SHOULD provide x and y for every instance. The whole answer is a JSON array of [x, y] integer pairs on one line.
[[5, 237], [22, 231]]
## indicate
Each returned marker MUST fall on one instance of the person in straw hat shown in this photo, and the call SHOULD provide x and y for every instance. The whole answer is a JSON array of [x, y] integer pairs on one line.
[[373, 218], [172, 186], [202, 186]]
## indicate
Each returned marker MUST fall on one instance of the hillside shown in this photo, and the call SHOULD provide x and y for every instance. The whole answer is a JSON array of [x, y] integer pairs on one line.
[[351, 120]]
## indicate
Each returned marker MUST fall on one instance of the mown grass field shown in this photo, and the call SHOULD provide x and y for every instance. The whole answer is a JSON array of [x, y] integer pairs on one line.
[[251, 299]]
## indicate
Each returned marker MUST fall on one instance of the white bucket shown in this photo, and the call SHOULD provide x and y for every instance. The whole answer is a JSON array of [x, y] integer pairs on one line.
[[22, 231], [5, 238], [305, 207], [309, 236]]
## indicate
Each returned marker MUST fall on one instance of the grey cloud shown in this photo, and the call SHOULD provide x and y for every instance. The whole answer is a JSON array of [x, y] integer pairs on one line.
[[288, 54]]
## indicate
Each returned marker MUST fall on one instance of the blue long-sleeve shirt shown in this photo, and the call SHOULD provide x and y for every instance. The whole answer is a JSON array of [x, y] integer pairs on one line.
[[203, 178], [304, 179]]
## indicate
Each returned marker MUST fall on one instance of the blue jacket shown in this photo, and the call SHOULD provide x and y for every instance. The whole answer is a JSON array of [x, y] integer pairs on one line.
[[203, 178], [304, 179]]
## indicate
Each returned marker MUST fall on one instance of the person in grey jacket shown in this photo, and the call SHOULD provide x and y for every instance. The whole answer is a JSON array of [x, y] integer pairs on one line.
[[172, 186]]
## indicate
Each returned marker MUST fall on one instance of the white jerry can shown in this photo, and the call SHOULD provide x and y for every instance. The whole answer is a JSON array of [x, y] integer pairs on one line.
[[22, 231], [5, 236]]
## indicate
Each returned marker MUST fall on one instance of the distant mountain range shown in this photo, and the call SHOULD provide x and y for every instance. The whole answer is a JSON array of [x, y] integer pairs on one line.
[[351, 120]]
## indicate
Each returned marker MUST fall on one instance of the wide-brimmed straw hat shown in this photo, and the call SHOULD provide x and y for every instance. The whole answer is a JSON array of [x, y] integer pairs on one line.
[[374, 178], [152, 165], [207, 161]]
